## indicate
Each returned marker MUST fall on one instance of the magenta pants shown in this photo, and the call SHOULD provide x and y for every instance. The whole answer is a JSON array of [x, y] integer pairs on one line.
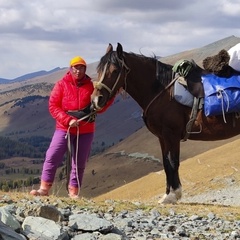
[[56, 151]]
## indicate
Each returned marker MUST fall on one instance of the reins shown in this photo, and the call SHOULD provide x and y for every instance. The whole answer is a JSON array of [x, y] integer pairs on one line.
[[69, 157], [168, 86]]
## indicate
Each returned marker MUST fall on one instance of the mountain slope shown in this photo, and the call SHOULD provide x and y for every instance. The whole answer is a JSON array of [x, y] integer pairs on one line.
[[214, 169], [24, 104], [135, 157]]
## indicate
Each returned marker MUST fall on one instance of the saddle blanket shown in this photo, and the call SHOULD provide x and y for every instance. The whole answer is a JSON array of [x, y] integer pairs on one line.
[[182, 95], [222, 95]]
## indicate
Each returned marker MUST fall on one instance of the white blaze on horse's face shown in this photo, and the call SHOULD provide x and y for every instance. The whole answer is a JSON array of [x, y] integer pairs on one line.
[[95, 99], [105, 87]]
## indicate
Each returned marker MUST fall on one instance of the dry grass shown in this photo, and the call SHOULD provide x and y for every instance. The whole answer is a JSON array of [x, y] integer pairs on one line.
[[202, 173], [207, 170], [225, 212]]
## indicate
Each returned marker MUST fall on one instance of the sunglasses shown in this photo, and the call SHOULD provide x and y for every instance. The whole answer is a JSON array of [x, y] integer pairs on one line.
[[79, 68]]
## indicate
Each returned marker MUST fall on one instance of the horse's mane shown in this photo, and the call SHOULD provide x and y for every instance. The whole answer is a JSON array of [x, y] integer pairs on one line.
[[163, 73], [110, 57], [163, 76]]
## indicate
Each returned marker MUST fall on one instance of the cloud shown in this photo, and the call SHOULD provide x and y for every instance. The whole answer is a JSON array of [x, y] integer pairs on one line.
[[41, 35]]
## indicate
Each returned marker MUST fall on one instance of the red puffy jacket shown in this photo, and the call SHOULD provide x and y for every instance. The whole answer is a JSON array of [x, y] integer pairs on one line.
[[65, 96]]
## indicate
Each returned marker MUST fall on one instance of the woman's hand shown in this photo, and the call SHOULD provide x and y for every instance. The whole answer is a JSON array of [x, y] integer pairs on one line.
[[73, 123]]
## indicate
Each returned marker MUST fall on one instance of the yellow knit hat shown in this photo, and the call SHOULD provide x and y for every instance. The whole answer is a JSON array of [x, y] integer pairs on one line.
[[77, 61]]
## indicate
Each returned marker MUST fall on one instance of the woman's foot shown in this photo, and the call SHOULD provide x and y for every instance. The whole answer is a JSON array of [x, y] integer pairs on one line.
[[73, 192], [39, 192], [43, 190]]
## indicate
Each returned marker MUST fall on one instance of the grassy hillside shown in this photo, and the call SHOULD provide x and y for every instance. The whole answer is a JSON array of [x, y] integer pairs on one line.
[[215, 169], [200, 174]]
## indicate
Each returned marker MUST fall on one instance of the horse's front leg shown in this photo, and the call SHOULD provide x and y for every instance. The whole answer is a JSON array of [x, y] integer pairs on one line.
[[170, 153]]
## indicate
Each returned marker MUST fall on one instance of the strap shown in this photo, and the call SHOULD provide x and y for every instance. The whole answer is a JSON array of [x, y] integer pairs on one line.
[[193, 116], [87, 114], [69, 158]]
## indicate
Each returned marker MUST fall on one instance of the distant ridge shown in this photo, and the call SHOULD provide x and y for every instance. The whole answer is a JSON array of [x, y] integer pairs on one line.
[[29, 76], [198, 54]]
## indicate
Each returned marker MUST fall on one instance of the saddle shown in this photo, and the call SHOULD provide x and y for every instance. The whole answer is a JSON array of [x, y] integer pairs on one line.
[[190, 76]]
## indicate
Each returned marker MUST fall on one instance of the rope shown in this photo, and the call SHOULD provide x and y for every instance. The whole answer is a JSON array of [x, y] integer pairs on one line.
[[220, 95], [183, 67], [68, 161], [76, 163], [150, 103], [69, 157]]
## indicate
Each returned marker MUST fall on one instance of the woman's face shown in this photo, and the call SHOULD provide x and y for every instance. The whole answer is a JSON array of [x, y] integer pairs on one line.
[[78, 71]]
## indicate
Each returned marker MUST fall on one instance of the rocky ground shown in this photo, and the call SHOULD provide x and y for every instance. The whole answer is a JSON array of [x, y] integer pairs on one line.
[[59, 219]]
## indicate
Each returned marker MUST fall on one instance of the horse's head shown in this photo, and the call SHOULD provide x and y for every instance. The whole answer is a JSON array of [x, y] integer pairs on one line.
[[112, 72]]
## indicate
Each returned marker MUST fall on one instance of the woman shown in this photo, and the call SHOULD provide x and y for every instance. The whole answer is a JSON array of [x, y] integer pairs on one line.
[[70, 100]]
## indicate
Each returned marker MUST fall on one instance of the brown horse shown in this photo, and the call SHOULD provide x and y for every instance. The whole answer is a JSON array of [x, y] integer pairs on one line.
[[148, 82]]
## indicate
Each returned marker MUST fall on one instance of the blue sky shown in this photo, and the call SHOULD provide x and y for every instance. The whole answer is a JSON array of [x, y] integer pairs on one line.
[[44, 34]]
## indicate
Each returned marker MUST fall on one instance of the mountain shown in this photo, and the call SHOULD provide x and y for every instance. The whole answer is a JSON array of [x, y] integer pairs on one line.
[[24, 103], [198, 54], [4, 80], [35, 74], [29, 76]]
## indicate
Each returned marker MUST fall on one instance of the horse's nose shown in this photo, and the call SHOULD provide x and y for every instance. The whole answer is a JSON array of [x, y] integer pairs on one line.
[[92, 107], [94, 103]]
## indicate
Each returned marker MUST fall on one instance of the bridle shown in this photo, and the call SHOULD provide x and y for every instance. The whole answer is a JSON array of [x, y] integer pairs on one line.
[[99, 84]]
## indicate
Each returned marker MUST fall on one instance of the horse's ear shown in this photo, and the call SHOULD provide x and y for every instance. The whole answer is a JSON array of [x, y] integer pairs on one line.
[[119, 50], [109, 48]]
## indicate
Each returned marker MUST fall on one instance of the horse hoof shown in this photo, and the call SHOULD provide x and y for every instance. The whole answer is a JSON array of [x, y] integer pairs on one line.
[[172, 197], [168, 199]]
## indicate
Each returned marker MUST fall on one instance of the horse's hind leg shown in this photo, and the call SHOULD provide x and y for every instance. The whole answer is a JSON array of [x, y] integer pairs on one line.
[[170, 154]]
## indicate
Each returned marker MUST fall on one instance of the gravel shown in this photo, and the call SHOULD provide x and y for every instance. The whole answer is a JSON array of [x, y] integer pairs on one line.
[[228, 196], [138, 224]]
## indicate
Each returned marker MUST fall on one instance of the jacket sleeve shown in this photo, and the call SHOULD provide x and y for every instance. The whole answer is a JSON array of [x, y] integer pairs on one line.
[[55, 105]]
